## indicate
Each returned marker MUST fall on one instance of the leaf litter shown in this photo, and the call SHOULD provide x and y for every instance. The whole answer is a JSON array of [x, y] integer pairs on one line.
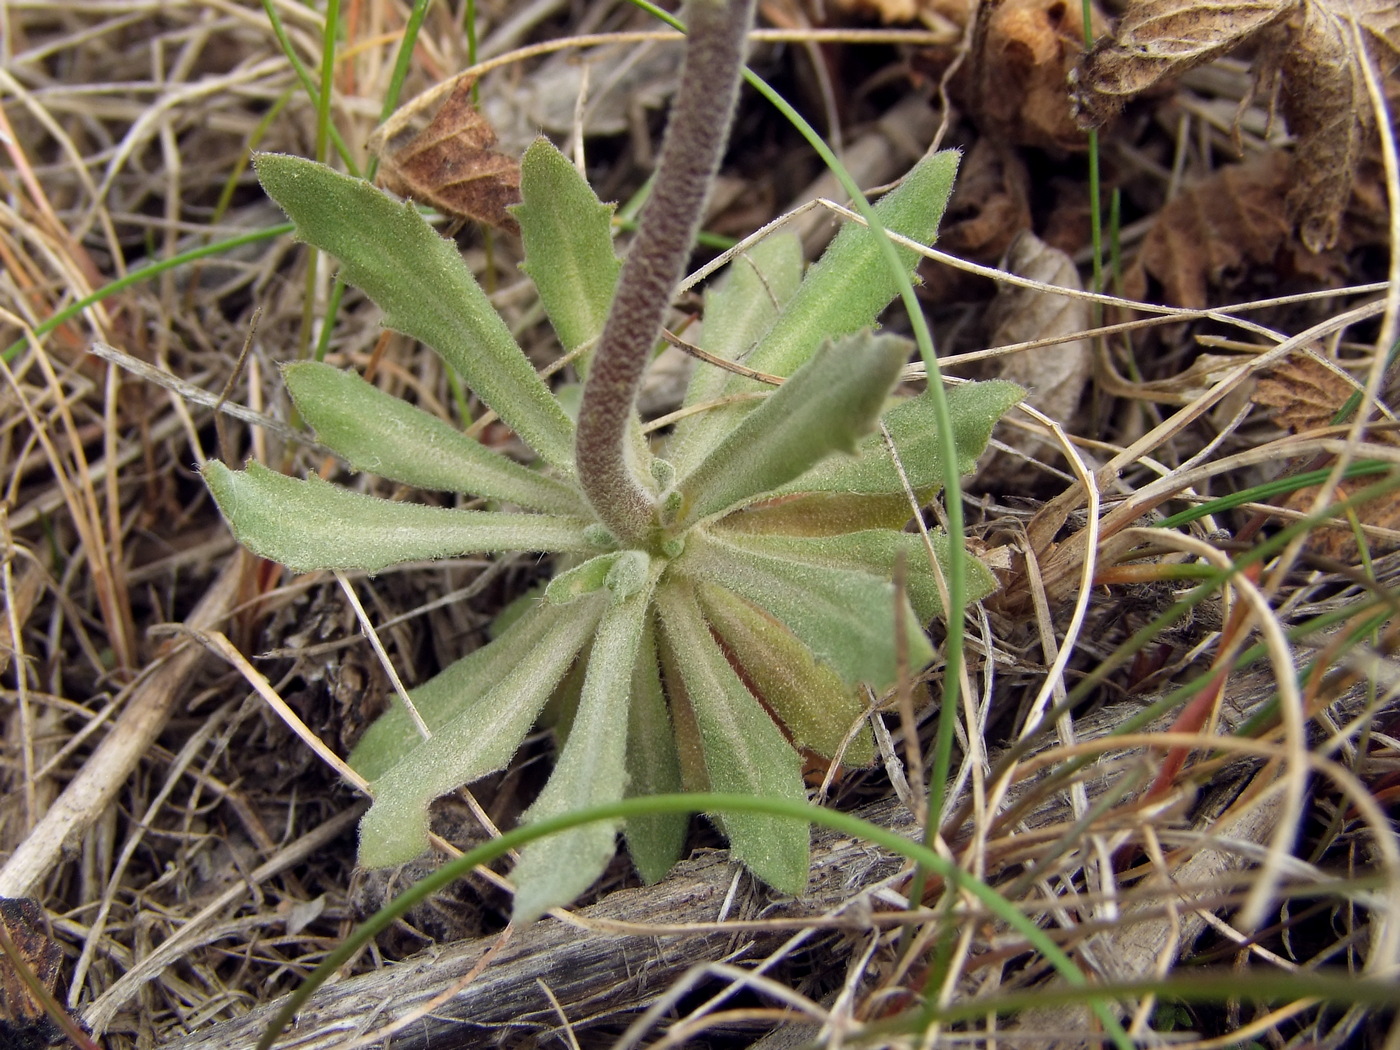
[[1310, 54]]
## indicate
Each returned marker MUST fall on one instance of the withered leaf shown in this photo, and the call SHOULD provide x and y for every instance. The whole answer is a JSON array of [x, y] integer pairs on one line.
[[1328, 107], [990, 205], [1213, 231], [1156, 39], [1307, 48], [1306, 395], [451, 165], [23, 1022], [1054, 375], [1016, 79]]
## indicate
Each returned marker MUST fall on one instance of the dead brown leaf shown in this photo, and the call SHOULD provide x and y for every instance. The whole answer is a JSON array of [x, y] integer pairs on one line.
[[1054, 375], [1312, 50], [1304, 393], [451, 165], [1327, 105], [1307, 395], [990, 205], [1212, 232], [22, 1019], [1217, 232], [1015, 79]]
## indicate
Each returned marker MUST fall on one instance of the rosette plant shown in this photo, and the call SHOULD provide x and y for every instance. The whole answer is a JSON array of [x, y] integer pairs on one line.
[[714, 608]]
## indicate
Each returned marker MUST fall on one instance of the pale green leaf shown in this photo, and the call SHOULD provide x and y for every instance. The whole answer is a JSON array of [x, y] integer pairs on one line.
[[424, 288], [828, 404], [623, 573], [843, 292], [755, 287], [846, 289], [581, 580], [654, 840], [744, 751], [818, 708], [568, 244], [591, 771], [845, 617], [385, 435], [313, 524], [974, 408], [441, 698], [480, 739], [875, 551]]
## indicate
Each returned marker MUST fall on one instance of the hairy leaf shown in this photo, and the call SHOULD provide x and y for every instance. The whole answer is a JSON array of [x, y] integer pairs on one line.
[[818, 708], [875, 551], [743, 749], [821, 514], [480, 739], [587, 578], [444, 696], [313, 524], [845, 290], [385, 435], [568, 244], [756, 286], [846, 617], [849, 286], [424, 288], [975, 409], [654, 840], [824, 407], [591, 771]]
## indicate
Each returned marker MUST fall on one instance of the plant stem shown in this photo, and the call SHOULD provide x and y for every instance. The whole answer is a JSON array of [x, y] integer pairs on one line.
[[690, 156]]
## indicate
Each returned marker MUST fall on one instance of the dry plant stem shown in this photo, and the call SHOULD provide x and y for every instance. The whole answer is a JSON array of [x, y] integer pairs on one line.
[[89, 794], [621, 971], [690, 156]]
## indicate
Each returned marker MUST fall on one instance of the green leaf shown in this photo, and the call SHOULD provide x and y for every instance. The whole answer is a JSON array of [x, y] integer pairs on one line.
[[844, 291], [654, 840], [818, 709], [755, 287], [588, 578], [821, 514], [313, 524], [385, 435], [424, 288], [845, 617], [591, 771], [623, 573], [568, 244], [875, 551], [974, 408], [745, 753], [848, 287], [480, 739], [443, 697], [829, 403]]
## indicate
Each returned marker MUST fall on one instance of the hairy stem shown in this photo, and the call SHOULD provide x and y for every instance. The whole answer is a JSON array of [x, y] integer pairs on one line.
[[690, 156]]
